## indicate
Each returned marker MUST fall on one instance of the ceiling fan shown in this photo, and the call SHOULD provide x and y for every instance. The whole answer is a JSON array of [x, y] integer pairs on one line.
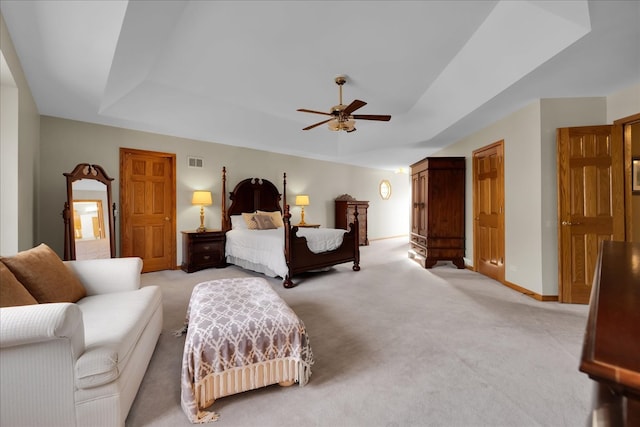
[[341, 115]]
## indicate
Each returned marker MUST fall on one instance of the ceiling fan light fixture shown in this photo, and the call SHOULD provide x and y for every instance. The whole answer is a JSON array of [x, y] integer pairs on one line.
[[338, 124], [349, 125]]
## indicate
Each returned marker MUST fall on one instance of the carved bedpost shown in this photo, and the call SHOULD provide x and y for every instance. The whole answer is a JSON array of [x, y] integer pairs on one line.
[[284, 188], [223, 206], [356, 241], [288, 253]]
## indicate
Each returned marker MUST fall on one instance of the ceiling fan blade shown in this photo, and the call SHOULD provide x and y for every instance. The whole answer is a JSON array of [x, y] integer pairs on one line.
[[379, 117], [353, 107], [304, 110], [317, 124]]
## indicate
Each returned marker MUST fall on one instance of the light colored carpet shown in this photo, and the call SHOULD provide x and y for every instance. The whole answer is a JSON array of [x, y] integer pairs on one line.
[[395, 345]]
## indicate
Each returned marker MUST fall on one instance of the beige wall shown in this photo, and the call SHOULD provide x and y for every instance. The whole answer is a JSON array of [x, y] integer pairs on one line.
[[530, 179], [21, 174], [522, 153], [66, 143], [623, 103]]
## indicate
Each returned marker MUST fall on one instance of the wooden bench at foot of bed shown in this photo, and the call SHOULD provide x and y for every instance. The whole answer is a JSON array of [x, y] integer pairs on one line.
[[240, 336]]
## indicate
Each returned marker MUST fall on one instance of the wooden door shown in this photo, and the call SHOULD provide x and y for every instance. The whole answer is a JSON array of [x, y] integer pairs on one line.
[[590, 205], [147, 208], [488, 210]]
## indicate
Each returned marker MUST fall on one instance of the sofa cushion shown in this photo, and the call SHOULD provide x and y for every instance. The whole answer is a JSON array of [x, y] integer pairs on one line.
[[12, 293], [44, 275], [113, 325]]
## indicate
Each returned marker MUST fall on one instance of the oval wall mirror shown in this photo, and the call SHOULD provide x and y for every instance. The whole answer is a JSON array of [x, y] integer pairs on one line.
[[88, 214]]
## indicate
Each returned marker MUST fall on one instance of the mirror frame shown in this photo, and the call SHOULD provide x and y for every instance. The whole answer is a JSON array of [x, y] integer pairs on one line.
[[86, 171], [384, 189]]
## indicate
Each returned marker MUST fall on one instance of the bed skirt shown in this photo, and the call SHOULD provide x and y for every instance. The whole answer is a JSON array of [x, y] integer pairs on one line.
[[240, 336]]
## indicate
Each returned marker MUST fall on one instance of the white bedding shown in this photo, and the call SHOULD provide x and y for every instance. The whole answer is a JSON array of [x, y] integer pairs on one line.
[[263, 250]]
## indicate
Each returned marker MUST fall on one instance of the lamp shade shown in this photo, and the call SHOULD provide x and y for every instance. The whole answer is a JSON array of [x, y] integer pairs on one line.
[[202, 198], [302, 200]]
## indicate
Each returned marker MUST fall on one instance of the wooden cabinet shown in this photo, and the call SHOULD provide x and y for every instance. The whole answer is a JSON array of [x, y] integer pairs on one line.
[[202, 250], [345, 209], [612, 339], [437, 211]]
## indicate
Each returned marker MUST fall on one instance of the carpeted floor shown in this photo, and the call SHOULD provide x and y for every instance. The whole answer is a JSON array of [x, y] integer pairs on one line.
[[395, 345]]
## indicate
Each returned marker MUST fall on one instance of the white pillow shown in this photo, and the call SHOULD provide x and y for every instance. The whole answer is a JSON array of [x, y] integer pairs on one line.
[[238, 222]]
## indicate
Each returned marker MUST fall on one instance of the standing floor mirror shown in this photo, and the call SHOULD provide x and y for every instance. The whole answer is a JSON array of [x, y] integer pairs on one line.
[[89, 214]]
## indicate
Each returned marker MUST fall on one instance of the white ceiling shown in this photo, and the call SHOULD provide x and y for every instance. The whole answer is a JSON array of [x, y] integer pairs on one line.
[[234, 72]]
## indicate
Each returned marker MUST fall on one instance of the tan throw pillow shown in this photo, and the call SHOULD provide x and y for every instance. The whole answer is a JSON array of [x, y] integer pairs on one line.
[[45, 276], [264, 222], [248, 219], [276, 217], [12, 293]]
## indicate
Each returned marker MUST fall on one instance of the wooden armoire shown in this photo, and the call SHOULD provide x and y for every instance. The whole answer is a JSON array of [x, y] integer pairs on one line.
[[345, 208], [437, 212]]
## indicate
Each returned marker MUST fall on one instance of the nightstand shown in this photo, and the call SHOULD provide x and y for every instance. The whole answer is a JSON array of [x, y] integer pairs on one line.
[[202, 250], [307, 225]]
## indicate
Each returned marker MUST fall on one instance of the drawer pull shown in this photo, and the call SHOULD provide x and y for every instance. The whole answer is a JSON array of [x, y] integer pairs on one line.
[[206, 248], [207, 257]]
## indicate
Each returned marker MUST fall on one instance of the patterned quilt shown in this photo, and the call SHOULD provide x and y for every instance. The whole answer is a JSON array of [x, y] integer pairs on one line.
[[240, 336]]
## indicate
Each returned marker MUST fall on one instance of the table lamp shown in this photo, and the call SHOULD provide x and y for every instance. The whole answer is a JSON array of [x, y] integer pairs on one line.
[[302, 200], [202, 198]]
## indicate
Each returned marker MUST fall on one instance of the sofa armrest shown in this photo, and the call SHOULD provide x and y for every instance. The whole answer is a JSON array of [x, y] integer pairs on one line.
[[39, 348], [103, 276], [36, 323]]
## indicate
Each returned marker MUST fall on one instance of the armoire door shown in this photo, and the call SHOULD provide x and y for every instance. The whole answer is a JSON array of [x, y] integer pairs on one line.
[[418, 203]]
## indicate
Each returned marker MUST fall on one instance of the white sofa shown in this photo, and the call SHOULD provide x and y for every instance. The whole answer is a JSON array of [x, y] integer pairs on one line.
[[80, 364]]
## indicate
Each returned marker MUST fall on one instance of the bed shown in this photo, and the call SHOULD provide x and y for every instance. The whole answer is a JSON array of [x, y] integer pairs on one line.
[[288, 250]]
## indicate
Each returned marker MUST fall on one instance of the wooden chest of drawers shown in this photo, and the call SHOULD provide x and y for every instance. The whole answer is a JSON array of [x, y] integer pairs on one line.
[[345, 209], [202, 250]]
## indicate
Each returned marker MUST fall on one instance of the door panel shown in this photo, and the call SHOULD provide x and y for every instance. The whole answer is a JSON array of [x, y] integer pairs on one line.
[[415, 203], [148, 208], [423, 205], [488, 182], [590, 205]]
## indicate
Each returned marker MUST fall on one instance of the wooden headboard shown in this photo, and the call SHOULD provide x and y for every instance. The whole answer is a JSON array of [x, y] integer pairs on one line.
[[250, 195]]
